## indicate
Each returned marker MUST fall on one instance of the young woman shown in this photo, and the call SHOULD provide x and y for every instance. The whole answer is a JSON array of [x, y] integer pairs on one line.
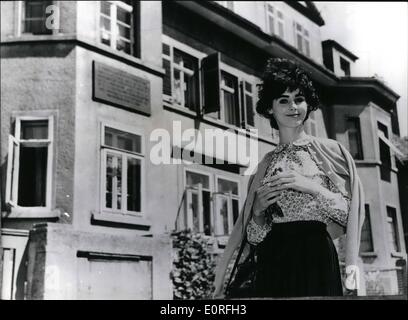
[[305, 193]]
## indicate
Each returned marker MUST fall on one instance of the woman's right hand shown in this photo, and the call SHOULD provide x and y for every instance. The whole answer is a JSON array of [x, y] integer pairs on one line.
[[269, 193], [264, 197]]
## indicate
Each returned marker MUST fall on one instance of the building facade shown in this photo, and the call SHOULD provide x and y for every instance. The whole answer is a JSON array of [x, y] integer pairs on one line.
[[87, 205]]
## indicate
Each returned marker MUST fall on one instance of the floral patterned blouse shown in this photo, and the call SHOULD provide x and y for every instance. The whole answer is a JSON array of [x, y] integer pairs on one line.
[[294, 205]]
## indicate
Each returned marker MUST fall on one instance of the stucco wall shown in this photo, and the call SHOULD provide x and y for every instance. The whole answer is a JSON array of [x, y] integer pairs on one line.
[[41, 78]]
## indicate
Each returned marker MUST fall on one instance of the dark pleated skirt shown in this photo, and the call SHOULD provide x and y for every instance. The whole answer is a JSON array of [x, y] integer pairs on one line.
[[297, 259]]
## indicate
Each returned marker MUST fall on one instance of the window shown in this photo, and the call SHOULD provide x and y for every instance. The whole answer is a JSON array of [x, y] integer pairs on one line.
[[226, 206], [248, 101], [198, 202], [34, 17], [229, 99], [116, 25], [274, 21], [209, 209], [366, 244], [385, 155], [392, 227], [181, 82], [122, 167], [29, 165], [345, 66], [354, 138], [302, 40]]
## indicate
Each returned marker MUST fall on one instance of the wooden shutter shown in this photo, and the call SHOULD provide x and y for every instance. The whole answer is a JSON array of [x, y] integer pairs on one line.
[[212, 81]]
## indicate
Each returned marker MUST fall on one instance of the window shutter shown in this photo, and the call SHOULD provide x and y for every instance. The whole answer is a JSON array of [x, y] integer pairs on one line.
[[212, 81], [12, 171]]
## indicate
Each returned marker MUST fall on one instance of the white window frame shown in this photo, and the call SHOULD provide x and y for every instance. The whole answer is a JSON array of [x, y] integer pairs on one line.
[[105, 149], [13, 169], [218, 225], [189, 191], [278, 21], [173, 44], [114, 29], [305, 38]]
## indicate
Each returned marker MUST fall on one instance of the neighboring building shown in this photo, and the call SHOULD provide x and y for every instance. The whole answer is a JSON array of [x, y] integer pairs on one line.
[[82, 102]]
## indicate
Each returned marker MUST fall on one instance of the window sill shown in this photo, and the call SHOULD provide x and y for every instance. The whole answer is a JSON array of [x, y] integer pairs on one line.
[[33, 212], [121, 218], [395, 254], [175, 108], [368, 254]]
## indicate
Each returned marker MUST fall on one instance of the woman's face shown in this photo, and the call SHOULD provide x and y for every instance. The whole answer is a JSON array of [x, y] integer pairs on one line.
[[289, 109]]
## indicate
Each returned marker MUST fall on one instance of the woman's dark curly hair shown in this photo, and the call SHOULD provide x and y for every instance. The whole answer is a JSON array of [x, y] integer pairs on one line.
[[279, 75]]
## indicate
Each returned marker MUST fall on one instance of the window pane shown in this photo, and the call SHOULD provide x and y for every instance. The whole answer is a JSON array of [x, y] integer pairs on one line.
[[207, 212], [230, 109], [32, 176], [354, 135], [224, 216], [134, 184], [307, 48], [385, 158], [270, 8], [105, 7], [123, 15], [166, 49], [393, 228], [195, 211], [105, 30], [37, 129], [235, 210], [227, 186], [167, 78], [248, 87], [190, 96], [366, 233], [109, 180], [299, 42], [178, 94], [124, 31], [271, 25], [123, 140], [122, 45], [249, 110], [280, 26], [195, 178], [117, 181]]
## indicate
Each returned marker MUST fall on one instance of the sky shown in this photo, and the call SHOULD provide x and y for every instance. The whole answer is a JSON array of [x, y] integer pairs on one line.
[[376, 32]]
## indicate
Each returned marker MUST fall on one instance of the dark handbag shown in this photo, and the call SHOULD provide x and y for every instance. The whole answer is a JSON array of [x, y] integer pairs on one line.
[[243, 284]]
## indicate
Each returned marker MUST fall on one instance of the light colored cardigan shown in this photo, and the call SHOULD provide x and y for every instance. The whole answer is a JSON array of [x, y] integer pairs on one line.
[[339, 166]]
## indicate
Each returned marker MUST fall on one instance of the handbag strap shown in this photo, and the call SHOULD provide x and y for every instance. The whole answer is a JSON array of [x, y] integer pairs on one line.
[[241, 249]]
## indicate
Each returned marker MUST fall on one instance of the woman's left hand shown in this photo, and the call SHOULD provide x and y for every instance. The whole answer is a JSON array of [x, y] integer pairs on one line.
[[294, 180]]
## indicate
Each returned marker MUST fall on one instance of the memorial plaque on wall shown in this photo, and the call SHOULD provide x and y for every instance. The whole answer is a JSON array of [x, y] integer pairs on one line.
[[120, 88]]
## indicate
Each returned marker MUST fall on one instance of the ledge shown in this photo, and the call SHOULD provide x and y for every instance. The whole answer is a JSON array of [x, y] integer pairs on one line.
[[31, 213], [368, 254], [87, 44], [397, 254], [121, 218]]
